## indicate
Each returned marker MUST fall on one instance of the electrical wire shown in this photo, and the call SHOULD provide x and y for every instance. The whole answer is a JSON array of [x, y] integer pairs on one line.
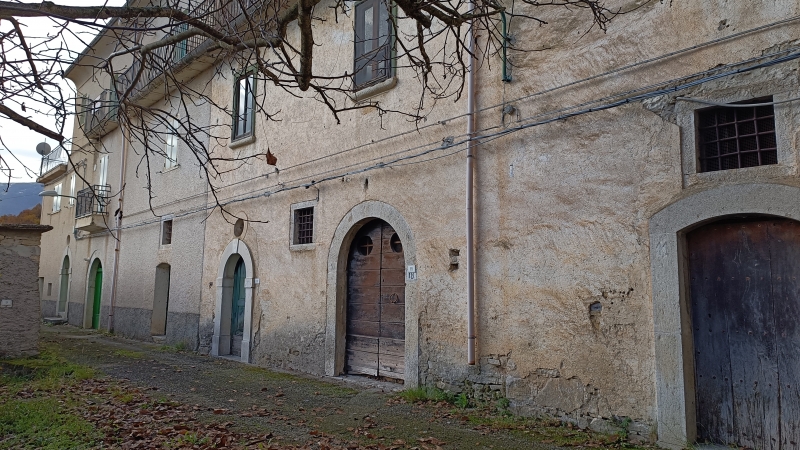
[[480, 140], [735, 105]]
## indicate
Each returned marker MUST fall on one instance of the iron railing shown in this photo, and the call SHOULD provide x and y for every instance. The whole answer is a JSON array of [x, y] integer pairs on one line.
[[96, 113], [53, 159], [223, 15], [92, 200]]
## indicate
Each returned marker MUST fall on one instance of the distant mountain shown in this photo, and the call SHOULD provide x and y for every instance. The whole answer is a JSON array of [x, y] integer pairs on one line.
[[19, 197]]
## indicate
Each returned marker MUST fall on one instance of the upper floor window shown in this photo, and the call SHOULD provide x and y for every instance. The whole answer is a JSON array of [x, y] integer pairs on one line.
[[166, 230], [373, 43], [244, 105], [171, 145], [57, 198], [72, 190], [303, 226], [733, 137]]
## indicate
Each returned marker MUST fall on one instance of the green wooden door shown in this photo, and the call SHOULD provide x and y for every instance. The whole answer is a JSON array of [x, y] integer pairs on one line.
[[98, 292], [237, 308]]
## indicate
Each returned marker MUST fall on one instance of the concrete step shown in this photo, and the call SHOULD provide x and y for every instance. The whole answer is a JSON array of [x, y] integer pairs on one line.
[[159, 339], [55, 320]]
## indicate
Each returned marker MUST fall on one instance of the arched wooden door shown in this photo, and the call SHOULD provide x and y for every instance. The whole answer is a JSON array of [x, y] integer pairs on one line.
[[375, 340], [745, 312]]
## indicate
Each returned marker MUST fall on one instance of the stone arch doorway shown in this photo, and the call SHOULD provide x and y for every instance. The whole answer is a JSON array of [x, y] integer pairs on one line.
[[671, 291], [63, 291], [234, 305], [338, 257], [158, 321], [375, 317], [745, 299], [94, 293]]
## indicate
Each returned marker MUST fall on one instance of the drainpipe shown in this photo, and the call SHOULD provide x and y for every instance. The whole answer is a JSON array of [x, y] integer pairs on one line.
[[118, 226], [470, 197]]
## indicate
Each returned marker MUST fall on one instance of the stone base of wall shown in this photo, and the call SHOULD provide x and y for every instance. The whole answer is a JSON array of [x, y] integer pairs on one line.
[[183, 328], [547, 394], [49, 308], [75, 314]]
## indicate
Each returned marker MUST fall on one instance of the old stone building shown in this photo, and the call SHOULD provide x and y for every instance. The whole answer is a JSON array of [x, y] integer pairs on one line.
[[20, 312], [635, 202]]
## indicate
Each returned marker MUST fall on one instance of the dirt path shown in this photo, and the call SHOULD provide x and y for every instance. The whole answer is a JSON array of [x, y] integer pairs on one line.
[[293, 407]]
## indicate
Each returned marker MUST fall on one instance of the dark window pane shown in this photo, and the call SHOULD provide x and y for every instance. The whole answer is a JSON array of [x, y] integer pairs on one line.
[[749, 159], [166, 232], [304, 226], [735, 137]]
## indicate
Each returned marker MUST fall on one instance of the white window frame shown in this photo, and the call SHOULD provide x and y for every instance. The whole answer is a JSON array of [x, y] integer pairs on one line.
[[103, 179], [57, 198], [168, 218], [72, 190], [171, 145]]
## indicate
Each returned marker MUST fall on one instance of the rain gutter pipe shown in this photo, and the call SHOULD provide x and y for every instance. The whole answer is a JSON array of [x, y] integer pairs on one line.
[[118, 226], [469, 194]]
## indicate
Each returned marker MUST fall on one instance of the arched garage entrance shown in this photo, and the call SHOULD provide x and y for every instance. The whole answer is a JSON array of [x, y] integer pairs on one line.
[[375, 340], [745, 305], [234, 305], [677, 421]]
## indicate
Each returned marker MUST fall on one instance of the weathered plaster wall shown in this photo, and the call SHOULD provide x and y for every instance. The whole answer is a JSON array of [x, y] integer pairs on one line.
[[19, 289]]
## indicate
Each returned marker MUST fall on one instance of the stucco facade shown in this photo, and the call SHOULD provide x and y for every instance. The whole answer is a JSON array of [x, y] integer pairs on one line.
[[570, 212]]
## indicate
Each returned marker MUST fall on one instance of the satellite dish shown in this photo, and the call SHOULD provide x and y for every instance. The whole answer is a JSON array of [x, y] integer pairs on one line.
[[43, 148]]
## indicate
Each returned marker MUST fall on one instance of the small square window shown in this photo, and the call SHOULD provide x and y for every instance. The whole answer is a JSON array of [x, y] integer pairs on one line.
[[734, 137], [303, 226], [244, 96], [373, 43], [166, 231]]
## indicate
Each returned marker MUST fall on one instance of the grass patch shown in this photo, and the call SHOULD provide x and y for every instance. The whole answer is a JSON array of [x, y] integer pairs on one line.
[[130, 354], [43, 423], [428, 393]]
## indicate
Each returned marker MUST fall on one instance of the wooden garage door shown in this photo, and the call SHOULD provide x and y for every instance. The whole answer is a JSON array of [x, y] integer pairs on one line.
[[745, 310], [376, 303]]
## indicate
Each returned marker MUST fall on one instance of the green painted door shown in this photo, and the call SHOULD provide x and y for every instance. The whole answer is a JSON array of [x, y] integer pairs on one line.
[[237, 312], [98, 293]]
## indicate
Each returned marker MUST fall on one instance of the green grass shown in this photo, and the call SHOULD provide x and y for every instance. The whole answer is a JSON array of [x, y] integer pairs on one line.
[[129, 354], [36, 420], [427, 393], [43, 423]]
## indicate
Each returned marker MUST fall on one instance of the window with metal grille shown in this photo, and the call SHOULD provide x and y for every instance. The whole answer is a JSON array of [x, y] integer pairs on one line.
[[733, 137], [373, 43], [166, 232], [303, 226]]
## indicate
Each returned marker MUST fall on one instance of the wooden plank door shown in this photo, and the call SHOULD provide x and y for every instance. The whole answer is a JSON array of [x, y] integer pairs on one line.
[[743, 288], [375, 334], [98, 295], [237, 308]]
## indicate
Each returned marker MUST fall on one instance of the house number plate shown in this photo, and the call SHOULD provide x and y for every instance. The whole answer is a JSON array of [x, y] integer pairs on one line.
[[411, 273]]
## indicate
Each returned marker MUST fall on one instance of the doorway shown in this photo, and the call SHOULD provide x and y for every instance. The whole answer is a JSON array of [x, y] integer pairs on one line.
[[375, 328], [237, 308], [63, 293], [94, 292], [158, 323], [745, 301]]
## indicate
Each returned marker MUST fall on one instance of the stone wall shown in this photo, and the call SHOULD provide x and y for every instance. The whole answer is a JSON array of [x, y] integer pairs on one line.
[[19, 289]]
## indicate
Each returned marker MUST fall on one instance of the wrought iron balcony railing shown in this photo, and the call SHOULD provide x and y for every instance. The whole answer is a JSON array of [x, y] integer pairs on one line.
[[92, 200], [223, 15], [99, 113], [55, 158]]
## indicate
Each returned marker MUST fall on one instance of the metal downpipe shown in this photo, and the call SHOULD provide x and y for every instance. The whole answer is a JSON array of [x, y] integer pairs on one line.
[[118, 226], [471, 338]]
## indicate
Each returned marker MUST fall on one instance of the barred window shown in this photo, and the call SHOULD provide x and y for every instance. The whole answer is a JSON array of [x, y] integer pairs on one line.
[[166, 231], [303, 226], [733, 137]]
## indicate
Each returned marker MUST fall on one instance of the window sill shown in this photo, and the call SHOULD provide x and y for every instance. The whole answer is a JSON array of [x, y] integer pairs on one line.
[[53, 212], [375, 89], [175, 167], [242, 141], [302, 247]]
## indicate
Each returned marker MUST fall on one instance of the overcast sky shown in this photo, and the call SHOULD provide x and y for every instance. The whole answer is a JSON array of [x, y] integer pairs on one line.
[[20, 140]]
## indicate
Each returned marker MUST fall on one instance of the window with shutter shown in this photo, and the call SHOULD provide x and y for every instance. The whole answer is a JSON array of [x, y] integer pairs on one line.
[[374, 39], [171, 145]]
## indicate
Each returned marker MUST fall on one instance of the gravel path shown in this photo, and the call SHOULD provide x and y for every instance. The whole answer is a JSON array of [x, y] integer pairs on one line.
[[293, 407]]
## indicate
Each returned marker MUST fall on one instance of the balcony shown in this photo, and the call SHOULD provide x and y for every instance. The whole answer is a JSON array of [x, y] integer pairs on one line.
[[91, 208], [99, 116], [54, 164], [186, 59]]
